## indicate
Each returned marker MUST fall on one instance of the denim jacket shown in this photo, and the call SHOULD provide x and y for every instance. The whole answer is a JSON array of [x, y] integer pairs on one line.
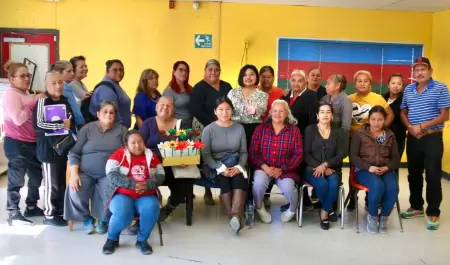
[[230, 160]]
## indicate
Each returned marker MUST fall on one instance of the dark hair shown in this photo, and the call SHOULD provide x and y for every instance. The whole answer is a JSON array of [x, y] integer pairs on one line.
[[338, 78], [129, 134], [109, 63], [395, 75], [378, 109], [143, 81], [324, 103], [314, 68], [266, 68], [173, 83], [242, 74], [221, 100], [75, 60]]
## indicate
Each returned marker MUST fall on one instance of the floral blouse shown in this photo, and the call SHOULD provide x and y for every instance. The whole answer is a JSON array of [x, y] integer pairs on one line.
[[257, 99]]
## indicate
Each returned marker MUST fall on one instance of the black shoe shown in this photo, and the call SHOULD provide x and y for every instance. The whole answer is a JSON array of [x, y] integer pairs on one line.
[[144, 247], [283, 208], [36, 211], [165, 212], [110, 247], [57, 221], [18, 219], [325, 224], [333, 217]]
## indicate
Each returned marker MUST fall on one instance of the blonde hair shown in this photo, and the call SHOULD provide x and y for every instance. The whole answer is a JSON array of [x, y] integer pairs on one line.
[[60, 66], [298, 72], [290, 118], [362, 72], [11, 68]]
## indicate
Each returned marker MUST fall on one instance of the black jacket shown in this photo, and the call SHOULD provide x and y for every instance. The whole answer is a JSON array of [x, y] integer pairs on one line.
[[44, 150], [304, 109], [397, 126]]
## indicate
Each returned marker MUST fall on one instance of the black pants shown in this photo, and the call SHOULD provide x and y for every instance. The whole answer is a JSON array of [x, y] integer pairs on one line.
[[425, 153], [22, 160], [54, 186], [179, 188], [237, 182], [249, 128]]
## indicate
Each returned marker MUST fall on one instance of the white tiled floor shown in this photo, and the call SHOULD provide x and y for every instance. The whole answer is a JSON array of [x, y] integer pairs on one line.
[[208, 240]]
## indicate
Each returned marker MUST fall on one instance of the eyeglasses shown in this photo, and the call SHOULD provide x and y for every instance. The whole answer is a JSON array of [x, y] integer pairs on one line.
[[23, 76], [117, 70]]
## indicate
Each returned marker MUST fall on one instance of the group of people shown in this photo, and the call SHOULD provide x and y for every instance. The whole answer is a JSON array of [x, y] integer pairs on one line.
[[255, 134]]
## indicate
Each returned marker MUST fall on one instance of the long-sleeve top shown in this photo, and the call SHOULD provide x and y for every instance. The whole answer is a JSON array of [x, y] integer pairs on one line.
[[203, 100], [144, 107], [223, 141], [257, 99], [79, 90], [304, 108], [283, 150], [319, 150], [181, 104], [18, 115], [119, 97], [94, 147], [68, 93], [342, 108], [397, 126]]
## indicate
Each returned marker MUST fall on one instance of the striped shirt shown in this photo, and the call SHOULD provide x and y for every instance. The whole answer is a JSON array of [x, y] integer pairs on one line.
[[427, 105]]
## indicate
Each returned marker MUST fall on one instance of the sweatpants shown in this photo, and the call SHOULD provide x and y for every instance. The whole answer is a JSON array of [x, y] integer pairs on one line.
[[54, 186]]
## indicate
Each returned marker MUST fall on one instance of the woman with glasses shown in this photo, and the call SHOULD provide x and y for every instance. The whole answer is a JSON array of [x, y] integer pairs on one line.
[[147, 95], [110, 89], [20, 144], [87, 159]]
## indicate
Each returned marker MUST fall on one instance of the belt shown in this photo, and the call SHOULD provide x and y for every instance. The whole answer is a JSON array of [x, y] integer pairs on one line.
[[427, 132]]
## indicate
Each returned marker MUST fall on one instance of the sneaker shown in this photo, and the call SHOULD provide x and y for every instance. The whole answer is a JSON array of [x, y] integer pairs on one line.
[[88, 225], [101, 228], [110, 246], [264, 215], [411, 213], [383, 224], [433, 223], [144, 247], [287, 216], [333, 217], [267, 202], [134, 229], [235, 225], [33, 212], [18, 219], [57, 221], [372, 224]]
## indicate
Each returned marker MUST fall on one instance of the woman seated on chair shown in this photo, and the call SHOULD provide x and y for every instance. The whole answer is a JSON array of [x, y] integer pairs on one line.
[[325, 148], [134, 173], [375, 156], [155, 130], [225, 158], [87, 159], [276, 152]]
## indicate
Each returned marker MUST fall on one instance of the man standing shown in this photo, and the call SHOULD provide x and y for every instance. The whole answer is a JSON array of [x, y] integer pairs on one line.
[[424, 110]]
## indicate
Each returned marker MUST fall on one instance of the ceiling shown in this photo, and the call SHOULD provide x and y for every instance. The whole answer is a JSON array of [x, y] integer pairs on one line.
[[403, 5]]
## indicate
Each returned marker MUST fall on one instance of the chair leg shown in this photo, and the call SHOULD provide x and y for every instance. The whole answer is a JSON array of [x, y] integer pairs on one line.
[[341, 203], [356, 211], [160, 234], [189, 204], [300, 216], [399, 216], [70, 224], [348, 197]]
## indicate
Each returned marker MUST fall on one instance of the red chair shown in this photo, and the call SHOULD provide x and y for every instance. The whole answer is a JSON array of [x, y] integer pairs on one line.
[[356, 187]]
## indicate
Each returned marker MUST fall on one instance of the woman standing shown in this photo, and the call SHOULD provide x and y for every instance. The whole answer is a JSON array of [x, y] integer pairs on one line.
[[267, 75], [250, 103], [314, 79], [342, 106], [80, 69], [20, 144], [54, 165], [147, 96], [179, 90]]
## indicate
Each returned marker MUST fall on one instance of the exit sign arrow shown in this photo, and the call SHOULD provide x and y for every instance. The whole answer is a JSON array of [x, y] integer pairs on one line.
[[203, 41]]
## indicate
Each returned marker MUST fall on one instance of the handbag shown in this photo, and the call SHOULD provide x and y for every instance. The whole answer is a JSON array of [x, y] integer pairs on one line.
[[63, 145]]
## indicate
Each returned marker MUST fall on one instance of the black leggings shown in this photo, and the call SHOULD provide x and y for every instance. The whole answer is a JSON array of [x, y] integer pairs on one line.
[[227, 184], [179, 188]]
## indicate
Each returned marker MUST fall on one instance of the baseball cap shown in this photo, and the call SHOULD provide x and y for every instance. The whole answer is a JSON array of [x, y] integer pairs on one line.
[[422, 60]]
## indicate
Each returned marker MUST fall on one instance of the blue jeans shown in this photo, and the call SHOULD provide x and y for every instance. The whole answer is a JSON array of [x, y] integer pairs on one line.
[[124, 209], [385, 186], [326, 188]]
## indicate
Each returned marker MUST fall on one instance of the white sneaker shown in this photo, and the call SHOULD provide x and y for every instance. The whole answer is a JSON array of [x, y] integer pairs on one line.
[[287, 216], [264, 215]]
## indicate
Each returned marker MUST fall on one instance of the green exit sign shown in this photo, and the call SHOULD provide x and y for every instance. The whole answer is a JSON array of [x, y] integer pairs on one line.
[[203, 41]]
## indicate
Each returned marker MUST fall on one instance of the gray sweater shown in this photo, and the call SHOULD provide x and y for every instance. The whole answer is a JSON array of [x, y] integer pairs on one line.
[[181, 103], [222, 141], [93, 148]]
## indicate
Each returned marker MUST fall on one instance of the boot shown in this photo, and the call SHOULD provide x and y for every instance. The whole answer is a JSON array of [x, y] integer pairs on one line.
[[225, 200], [237, 210]]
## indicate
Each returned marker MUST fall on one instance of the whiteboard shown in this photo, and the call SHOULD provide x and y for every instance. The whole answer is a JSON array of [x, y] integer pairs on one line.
[[37, 53]]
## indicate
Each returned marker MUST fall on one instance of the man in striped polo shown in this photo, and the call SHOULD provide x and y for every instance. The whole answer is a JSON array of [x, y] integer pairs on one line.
[[425, 108]]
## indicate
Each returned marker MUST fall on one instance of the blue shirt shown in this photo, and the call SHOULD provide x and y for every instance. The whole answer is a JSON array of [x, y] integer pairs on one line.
[[77, 116], [144, 107], [426, 106], [119, 97]]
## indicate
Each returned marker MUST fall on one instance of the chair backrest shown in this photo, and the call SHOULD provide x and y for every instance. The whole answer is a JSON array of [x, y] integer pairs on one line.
[[353, 181]]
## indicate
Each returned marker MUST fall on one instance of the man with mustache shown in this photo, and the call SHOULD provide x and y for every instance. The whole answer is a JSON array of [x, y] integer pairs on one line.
[[424, 110]]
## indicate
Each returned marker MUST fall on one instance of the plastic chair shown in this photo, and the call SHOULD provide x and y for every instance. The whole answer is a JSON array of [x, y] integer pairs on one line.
[[341, 197], [356, 187]]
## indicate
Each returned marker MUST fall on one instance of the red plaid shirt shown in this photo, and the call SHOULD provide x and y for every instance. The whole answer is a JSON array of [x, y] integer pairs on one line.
[[283, 150]]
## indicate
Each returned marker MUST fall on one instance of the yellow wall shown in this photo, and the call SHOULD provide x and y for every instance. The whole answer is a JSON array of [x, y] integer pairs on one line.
[[440, 60]]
